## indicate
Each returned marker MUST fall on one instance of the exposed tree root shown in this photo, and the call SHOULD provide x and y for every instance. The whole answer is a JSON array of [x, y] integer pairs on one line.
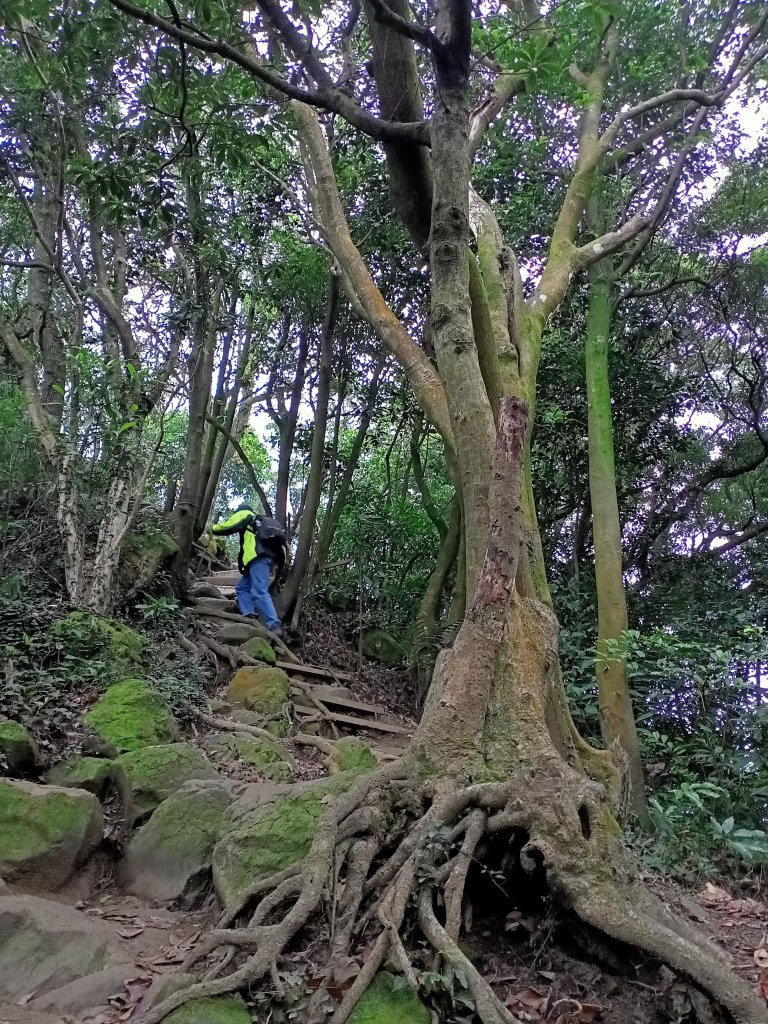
[[398, 846]]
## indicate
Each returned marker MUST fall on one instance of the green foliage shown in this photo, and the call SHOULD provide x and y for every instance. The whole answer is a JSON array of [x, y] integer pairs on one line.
[[385, 541]]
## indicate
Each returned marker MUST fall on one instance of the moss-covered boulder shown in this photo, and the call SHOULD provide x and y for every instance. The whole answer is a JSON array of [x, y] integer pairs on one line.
[[123, 651], [45, 833], [219, 1010], [254, 750], [94, 774], [169, 858], [154, 773], [260, 648], [131, 715], [390, 1001], [350, 755], [265, 690], [18, 749], [144, 554], [270, 832], [382, 647]]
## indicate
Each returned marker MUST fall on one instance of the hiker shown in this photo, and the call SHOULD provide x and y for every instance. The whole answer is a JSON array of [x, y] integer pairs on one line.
[[262, 546]]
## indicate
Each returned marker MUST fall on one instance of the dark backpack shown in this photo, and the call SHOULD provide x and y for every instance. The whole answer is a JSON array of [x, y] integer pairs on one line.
[[270, 531]]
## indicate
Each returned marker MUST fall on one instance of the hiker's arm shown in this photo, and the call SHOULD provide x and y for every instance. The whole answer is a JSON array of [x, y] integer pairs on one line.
[[235, 524]]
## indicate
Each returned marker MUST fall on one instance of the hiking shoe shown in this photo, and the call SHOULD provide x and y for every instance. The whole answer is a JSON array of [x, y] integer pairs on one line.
[[277, 631]]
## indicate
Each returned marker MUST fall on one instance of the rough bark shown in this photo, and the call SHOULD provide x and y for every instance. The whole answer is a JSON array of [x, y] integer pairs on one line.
[[451, 313]]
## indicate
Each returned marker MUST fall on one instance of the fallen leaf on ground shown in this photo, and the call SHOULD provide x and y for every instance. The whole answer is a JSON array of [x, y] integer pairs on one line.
[[129, 933]]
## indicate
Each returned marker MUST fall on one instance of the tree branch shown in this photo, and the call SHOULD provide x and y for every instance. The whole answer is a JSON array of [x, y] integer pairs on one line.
[[245, 461], [590, 253], [327, 97]]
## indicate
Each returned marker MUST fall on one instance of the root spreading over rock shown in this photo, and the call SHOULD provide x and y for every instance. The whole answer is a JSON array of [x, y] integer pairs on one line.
[[391, 859]]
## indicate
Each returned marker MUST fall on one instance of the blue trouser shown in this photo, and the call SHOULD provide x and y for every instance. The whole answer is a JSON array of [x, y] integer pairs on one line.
[[253, 594]]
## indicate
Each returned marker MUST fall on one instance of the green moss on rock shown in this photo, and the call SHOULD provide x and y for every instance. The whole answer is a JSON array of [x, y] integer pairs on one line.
[[272, 837], [123, 651], [390, 1001], [93, 774], [221, 1010], [45, 832], [259, 647], [254, 750], [265, 690], [382, 647], [174, 848], [350, 755], [17, 747], [131, 715], [154, 773], [143, 554]]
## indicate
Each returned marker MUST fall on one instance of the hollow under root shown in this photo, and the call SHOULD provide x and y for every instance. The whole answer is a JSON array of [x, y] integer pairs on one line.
[[396, 876]]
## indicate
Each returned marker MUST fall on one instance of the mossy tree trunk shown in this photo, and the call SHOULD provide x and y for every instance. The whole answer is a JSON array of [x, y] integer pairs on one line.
[[617, 718]]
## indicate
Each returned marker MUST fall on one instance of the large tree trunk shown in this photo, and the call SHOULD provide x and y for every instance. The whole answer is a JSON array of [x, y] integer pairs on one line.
[[617, 718]]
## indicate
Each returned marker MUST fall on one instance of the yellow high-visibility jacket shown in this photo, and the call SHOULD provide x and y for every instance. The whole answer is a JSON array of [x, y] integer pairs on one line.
[[241, 522]]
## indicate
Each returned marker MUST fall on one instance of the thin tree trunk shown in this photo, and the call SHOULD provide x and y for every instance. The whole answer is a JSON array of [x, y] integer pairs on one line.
[[314, 489], [200, 364], [428, 616], [288, 428], [221, 435], [616, 715], [217, 404], [39, 295], [333, 513]]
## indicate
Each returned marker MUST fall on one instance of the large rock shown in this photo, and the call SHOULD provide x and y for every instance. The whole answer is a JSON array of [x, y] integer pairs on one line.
[[46, 832], [386, 1002], [272, 827], [237, 633], [94, 774], [264, 690], [382, 647], [144, 553], [131, 715], [172, 852], [18, 749], [254, 750], [87, 993], [45, 945], [154, 773], [221, 1010], [260, 648], [123, 651]]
